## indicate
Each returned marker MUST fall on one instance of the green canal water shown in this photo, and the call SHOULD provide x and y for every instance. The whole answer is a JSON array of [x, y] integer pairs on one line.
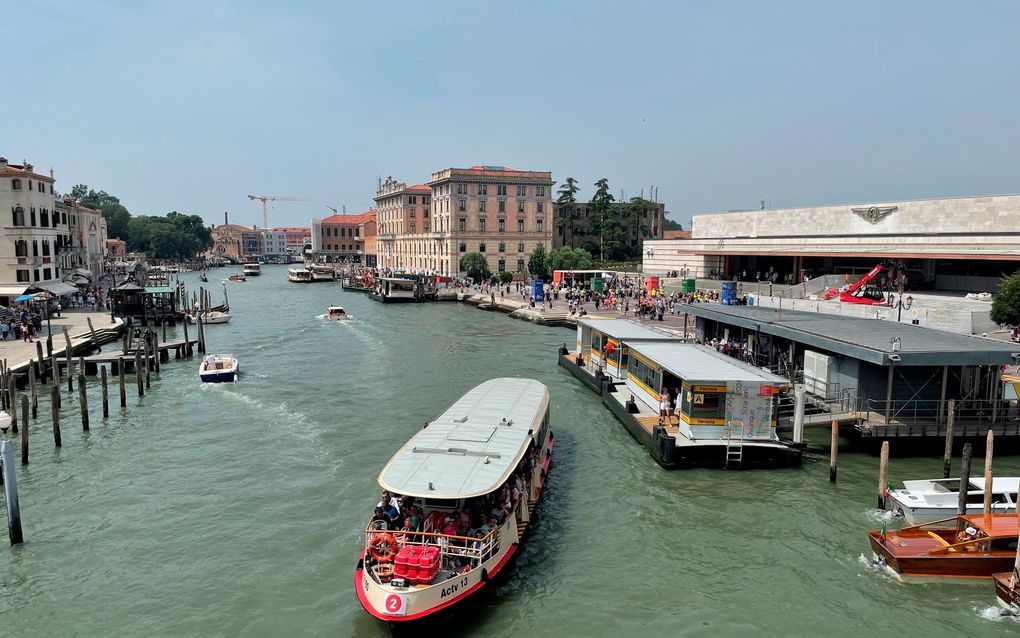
[[236, 510]]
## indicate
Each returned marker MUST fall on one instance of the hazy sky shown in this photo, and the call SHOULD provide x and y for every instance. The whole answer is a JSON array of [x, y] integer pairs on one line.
[[190, 106]]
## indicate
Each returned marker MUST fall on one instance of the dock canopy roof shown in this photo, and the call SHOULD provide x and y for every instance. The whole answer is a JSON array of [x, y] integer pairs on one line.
[[697, 363], [625, 329], [473, 447], [865, 339]]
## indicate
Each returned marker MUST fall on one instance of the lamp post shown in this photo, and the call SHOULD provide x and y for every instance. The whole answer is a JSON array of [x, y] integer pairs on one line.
[[900, 304]]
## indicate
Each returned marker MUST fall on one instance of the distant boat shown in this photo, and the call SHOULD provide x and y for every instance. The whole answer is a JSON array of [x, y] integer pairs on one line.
[[252, 269], [335, 312], [203, 277], [237, 278], [218, 368], [322, 272], [299, 275]]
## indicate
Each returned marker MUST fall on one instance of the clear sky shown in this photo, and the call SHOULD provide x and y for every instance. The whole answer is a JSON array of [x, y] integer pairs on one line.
[[190, 106]]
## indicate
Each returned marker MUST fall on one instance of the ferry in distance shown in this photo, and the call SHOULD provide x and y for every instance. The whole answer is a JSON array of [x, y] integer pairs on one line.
[[457, 499]]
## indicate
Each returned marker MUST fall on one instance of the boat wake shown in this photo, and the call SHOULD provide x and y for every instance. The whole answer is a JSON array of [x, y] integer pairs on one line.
[[879, 567], [995, 613], [883, 516], [323, 317]]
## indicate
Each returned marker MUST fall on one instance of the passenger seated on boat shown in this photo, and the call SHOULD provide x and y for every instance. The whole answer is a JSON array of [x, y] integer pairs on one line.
[[380, 516], [405, 534]]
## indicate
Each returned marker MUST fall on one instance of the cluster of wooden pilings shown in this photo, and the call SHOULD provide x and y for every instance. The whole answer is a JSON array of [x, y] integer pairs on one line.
[[19, 393]]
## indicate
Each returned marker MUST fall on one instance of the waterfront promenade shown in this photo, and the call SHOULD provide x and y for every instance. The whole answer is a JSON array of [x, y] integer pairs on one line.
[[19, 353]]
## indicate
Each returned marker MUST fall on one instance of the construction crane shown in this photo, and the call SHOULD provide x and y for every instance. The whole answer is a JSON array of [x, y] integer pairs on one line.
[[335, 211], [272, 198]]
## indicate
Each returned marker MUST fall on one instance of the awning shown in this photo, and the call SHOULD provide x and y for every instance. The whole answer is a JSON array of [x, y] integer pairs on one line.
[[59, 288], [13, 291], [83, 272]]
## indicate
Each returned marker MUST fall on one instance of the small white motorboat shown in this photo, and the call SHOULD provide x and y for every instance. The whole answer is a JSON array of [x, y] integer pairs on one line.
[[923, 501], [218, 368], [212, 317], [335, 312]]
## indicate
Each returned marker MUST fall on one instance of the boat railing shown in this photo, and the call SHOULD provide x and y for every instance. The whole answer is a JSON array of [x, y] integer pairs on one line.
[[469, 547]]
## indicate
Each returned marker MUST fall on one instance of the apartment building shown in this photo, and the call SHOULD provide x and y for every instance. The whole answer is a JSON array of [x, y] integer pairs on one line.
[[36, 235], [345, 237], [497, 211]]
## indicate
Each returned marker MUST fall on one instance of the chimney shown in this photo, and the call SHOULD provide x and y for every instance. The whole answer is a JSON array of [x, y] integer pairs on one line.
[[3, 163], [28, 167], [225, 222]]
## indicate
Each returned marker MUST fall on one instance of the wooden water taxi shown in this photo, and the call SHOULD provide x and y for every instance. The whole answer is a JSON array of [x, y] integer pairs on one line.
[[969, 546], [252, 269], [1007, 590], [218, 368], [335, 312], [926, 500], [237, 278], [458, 498], [203, 278], [299, 275]]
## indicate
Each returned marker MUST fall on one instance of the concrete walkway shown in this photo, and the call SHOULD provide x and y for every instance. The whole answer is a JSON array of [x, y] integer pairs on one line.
[[18, 353]]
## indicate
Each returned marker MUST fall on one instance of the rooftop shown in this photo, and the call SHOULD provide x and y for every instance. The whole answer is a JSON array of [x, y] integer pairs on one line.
[[473, 447], [865, 339], [624, 329], [701, 363], [360, 218]]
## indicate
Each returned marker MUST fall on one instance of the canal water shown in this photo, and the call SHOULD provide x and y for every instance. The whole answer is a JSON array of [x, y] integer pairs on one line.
[[236, 510]]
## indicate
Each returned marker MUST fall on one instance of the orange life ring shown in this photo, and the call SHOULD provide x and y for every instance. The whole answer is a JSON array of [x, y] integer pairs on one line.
[[382, 547]]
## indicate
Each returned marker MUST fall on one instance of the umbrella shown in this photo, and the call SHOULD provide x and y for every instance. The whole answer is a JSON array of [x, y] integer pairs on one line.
[[45, 295]]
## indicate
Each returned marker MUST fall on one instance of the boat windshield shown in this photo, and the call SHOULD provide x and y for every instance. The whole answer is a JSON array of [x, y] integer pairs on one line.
[[464, 532], [952, 485]]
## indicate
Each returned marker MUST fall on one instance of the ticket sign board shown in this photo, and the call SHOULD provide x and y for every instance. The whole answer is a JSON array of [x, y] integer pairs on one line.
[[748, 409]]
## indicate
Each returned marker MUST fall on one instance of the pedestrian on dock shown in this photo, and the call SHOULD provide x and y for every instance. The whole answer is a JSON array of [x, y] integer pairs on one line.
[[664, 407]]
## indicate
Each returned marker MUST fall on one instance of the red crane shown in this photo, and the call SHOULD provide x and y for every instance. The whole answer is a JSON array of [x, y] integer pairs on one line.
[[860, 292]]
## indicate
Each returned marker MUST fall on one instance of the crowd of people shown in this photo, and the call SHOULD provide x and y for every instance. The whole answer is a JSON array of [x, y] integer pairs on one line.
[[479, 516]]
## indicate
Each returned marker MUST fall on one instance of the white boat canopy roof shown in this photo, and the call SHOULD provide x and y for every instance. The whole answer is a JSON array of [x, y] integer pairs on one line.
[[473, 447]]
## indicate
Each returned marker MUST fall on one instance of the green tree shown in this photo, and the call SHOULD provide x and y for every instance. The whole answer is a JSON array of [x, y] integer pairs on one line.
[[116, 214], [566, 205], [475, 265], [603, 220], [669, 224], [567, 258], [1006, 303], [504, 277], [174, 236], [538, 263]]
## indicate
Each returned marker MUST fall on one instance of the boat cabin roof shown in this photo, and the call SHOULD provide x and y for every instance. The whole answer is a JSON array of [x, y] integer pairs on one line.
[[976, 484], [625, 329], [995, 525], [693, 362], [473, 447]]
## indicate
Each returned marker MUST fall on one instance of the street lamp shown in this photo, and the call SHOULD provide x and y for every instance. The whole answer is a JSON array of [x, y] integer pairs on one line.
[[900, 303]]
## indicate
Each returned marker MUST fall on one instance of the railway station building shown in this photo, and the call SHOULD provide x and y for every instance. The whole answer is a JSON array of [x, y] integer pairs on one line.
[[959, 243]]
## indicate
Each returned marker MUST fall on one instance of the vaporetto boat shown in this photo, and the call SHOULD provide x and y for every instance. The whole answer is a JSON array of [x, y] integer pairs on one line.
[[458, 498]]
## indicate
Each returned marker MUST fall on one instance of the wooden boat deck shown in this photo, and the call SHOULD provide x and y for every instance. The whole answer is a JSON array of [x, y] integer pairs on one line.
[[648, 422]]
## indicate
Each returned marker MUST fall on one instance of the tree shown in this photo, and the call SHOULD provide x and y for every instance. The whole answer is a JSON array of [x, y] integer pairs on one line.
[[475, 265], [538, 264], [567, 258], [174, 236], [1006, 303], [116, 215], [566, 204], [504, 277], [603, 220], [669, 224]]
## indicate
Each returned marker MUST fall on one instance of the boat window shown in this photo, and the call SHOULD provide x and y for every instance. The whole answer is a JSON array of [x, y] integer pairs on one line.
[[441, 504], [952, 485], [1012, 497], [596, 343], [704, 405], [998, 498], [975, 498], [1007, 544]]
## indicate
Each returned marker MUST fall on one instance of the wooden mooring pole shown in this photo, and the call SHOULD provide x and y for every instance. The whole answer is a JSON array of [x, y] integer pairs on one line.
[[12, 401], [148, 361], [11, 493], [55, 413], [833, 451], [138, 373], [40, 369], [83, 401], [187, 339], [106, 392], [948, 456], [961, 504], [989, 446], [33, 394], [24, 431], [70, 354], [883, 475], [120, 379]]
